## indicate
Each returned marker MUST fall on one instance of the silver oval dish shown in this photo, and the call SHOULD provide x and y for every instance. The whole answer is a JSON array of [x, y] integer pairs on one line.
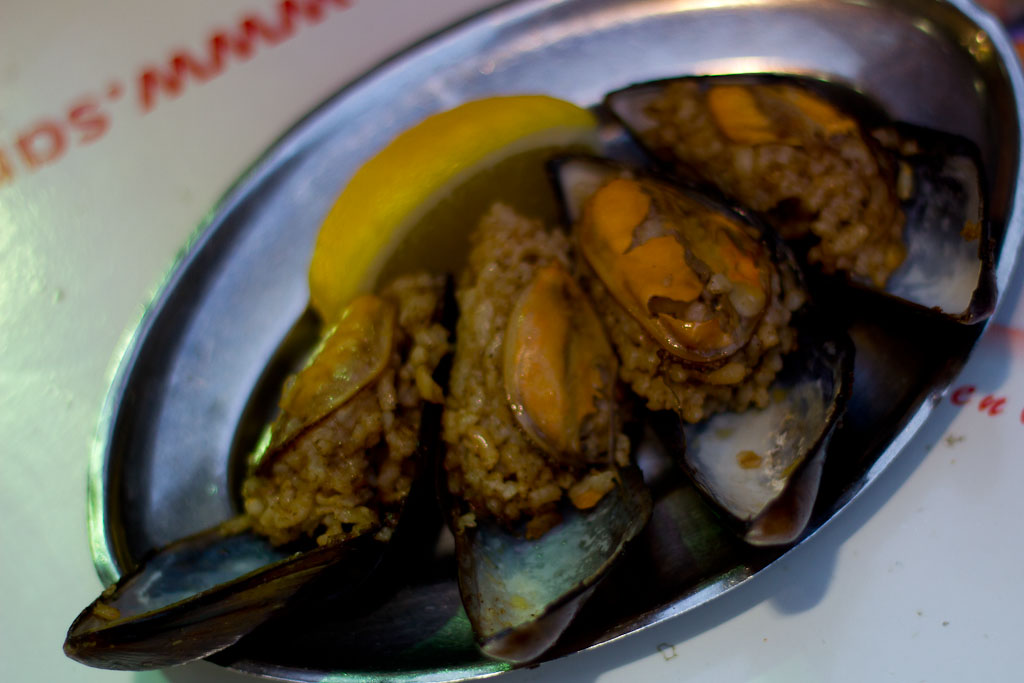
[[183, 397]]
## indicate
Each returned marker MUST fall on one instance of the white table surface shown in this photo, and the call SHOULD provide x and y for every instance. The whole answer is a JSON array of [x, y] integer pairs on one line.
[[920, 579]]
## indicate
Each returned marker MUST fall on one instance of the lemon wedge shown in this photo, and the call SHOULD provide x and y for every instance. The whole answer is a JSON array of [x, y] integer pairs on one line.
[[440, 174]]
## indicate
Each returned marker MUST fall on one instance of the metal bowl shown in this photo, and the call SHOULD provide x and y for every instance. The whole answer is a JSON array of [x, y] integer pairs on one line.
[[163, 467]]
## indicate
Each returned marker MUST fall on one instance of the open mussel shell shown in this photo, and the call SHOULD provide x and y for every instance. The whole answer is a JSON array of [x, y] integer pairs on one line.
[[947, 268], [938, 178], [520, 594], [762, 467], [202, 594]]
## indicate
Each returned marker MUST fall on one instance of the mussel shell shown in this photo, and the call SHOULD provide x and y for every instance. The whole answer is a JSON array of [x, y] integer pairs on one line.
[[201, 594], [519, 594], [768, 499], [943, 271]]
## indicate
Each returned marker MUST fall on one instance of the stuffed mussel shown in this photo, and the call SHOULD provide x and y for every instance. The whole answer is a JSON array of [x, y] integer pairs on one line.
[[897, 208], [543, 496], [323, 499], [699, 301]]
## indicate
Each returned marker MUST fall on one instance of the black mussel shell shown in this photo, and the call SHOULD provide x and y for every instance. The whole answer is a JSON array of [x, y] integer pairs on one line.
[[202, 594], [949, 265], [520, 595], [762, 467]]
